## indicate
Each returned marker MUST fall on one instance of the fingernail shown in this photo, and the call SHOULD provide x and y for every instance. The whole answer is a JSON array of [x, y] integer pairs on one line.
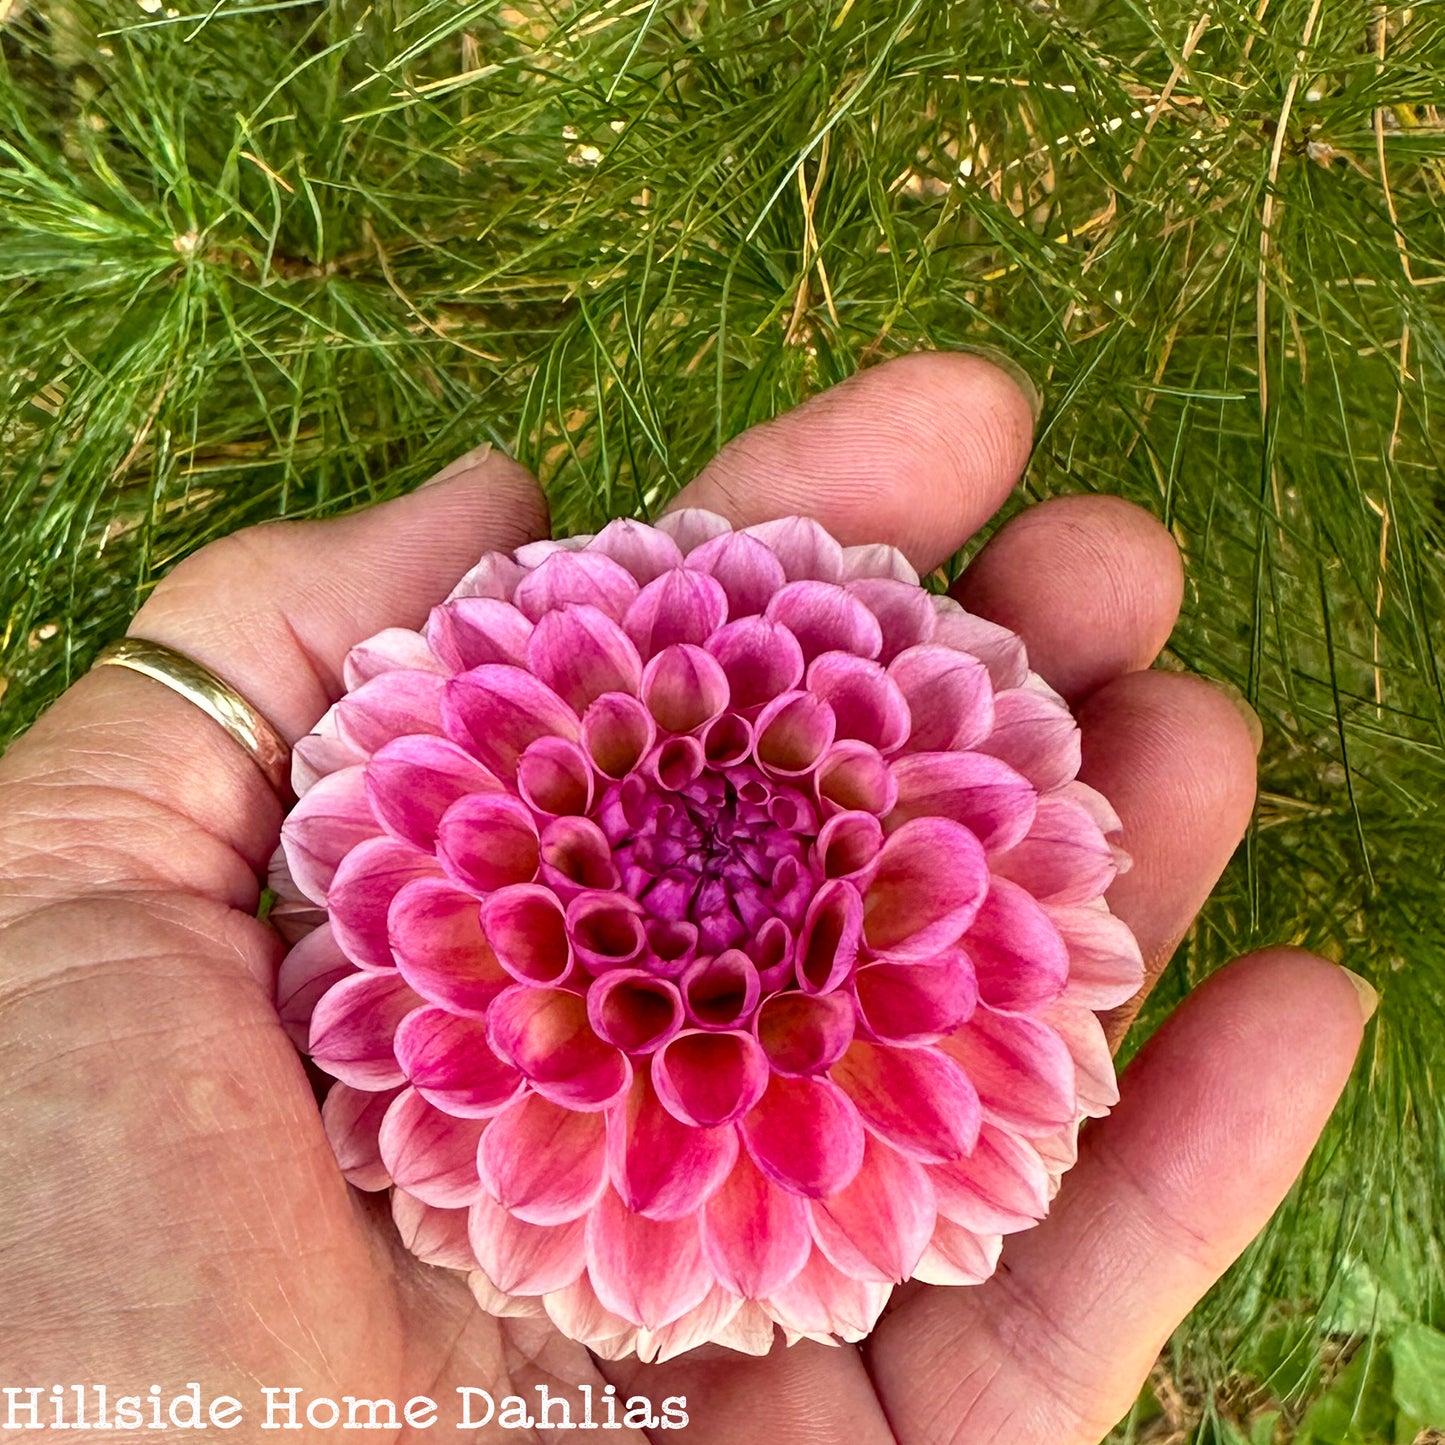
[[1369, 997], [1013, 371], [463, 463], [1251, 718]]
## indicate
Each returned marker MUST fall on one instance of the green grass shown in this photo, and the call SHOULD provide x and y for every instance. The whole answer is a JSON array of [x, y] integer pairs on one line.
[[263, 259]]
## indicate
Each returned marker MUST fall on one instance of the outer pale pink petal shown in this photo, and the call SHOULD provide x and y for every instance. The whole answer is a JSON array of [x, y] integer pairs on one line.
[[804, 1034], [877, 559], [806, 1135], [1022, 1070], [754, 1235], [369, 878], [352, 1029], [472, 631], [707, 1079], [690, 527], [412, 781], [589, 578], [916, 1003], [1064, 858], [435, 1236], [500, 1305], [749, 571], [1000, 1188], [806, 551], [989, 798], [958, 1256], [447, 1060], [532, 554], [496, 575], [579, 1315], [680, 606], [828, 945], [866, 702], [646, 552], [1000, 650], [750, 1332], [332, 818], [437, 940], [393, 704], [487, 841], [352, 1120], [313, 965], [292, 915], [1035, 733], [496, 711], [580, 653], [761, 659], [877, 1227], [660, 1167], [1017, 954], [390, 649], [684, 688], [546, 1164], [930, 882], [821, 1301], [701, 1325], [1106, 967], [826, 618], [853, 776], [949, 695], [917, 1099], [904, 612], [616, 733], [1081, 1030], [430, 1154], [522, 1258], [649, 1271], [320, 753], [545, 1033]]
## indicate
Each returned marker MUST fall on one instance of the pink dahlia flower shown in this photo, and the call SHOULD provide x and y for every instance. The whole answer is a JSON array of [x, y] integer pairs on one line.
[[707, 933]]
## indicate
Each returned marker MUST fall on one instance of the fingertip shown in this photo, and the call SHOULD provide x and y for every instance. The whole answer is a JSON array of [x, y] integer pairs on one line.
[[485, 487]]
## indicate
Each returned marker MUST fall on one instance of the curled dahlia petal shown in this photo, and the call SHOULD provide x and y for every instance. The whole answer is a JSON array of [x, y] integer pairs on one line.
[[705, 932]]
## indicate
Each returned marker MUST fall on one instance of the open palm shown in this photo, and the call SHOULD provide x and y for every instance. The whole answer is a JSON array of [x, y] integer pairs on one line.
[[169, 1208]]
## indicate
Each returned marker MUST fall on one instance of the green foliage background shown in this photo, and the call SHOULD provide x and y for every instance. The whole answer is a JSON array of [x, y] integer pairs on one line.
[[263, 259]]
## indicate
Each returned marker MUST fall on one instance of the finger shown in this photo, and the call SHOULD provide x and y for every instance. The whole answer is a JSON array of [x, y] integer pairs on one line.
[[1219, 1114], [273, 611], [1176, 758], [918, 452], [1091, 584]]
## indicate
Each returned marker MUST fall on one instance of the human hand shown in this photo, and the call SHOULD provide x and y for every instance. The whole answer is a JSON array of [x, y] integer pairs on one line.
[[169, 1208]]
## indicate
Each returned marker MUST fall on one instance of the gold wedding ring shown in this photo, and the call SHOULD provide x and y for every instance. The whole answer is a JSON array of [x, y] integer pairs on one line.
[[218, 700]]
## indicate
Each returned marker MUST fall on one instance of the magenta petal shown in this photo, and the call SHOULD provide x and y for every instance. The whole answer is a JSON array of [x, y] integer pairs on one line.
[[721, 992], [792, 732], [649, 1271], [958, 1256], [312, 966], [806, 1135], [588, 578], [1035, 733], [867, 704], [1000, 650], [878, 1225], [995, 803], [748, 570], [487, 841], [848, 844], [1022, 1070], [931, 878], [606, 930], [522, 1258], [680, 606], [755, 1236], [544, 1163], [949, 694], [903, 609], [1020, 960], [1064, 858], [690, 527], [576, 857], [472, 631], [825, 618], [431, 1154], [546, 1034], [390, 650], [555, 777], [708, 1079], [851, 776], [661, 1167], [369, 878], [327, 823], [806, 550], [496, 711], [412, 781], [448, 1061], [828, 945], [917, 1099], [436, 938], [804, 1034], [1105, 965], [527, 931], [726, 740], [352, 1029], [580, 653], [914, 1003], [435, 1236], [821, 1301], [646, 552], [352, 1120], [393, 704], [616, 732], [1000, 1188], [761, 660], [684, 688], [634, 1010]]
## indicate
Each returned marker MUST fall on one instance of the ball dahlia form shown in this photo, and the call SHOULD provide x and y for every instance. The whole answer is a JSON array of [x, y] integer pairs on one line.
[[704, 929]]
